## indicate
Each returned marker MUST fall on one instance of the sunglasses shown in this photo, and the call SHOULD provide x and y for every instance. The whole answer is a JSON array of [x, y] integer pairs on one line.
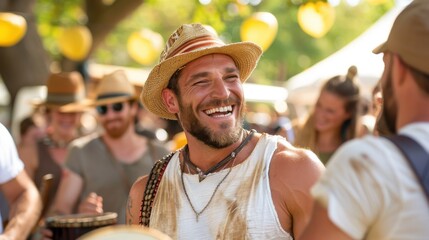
[[116, 107]]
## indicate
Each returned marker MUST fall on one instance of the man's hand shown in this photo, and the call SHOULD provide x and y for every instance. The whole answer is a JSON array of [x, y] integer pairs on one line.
[[92, 204]]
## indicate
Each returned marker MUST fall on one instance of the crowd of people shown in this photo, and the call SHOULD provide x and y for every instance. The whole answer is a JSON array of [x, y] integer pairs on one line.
[[328, 177]]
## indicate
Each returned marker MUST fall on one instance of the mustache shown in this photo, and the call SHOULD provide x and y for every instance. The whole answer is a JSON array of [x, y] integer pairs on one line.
[[221, 102], [113, 120]]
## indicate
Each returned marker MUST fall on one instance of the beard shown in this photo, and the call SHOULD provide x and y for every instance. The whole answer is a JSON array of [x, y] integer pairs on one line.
[[211, 138], [386, 121], [119, 129]]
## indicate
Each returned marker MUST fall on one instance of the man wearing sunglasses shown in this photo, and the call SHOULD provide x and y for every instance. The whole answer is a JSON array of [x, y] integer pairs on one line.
[[101, 168]]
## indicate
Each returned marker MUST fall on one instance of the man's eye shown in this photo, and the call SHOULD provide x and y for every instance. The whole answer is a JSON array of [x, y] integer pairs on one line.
[[200, 82], [232, 77]]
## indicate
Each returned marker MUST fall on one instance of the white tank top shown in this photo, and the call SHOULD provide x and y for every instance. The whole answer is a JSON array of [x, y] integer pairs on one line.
[[241, 208]]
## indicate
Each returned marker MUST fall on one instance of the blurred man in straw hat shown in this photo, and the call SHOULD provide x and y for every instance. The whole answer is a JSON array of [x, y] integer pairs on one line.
[[227, 182], [102, 167], [62, 109], [369, 190]]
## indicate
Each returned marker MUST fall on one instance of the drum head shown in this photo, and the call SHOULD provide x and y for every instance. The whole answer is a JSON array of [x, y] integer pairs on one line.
[[121, 232]]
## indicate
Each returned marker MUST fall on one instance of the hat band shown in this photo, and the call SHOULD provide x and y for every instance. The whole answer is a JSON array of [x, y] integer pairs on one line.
[[113, 95], [53, 98], [196, 44]]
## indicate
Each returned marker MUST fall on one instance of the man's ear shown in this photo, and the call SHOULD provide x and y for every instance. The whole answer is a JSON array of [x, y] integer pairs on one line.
[[399, 70], [170, 100]]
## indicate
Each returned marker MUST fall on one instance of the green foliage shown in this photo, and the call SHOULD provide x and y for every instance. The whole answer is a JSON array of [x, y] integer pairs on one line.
[[291, 52]]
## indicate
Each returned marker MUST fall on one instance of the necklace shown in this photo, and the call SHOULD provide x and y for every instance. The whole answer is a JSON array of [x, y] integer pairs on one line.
[[203, 174], [197, 214], [231, 156], [55, 144]]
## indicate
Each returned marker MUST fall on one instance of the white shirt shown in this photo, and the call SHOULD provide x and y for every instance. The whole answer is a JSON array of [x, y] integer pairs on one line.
[[371, 192], [241, 207], [10, 164]]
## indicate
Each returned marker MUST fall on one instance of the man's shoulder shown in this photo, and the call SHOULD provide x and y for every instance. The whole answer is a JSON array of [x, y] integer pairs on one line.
[[293, 165], [286, 153], [367, 145]]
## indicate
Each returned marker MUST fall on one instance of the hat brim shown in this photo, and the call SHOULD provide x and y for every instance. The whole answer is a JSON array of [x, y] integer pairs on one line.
[[80, 106], [244, 54], [380, 49]]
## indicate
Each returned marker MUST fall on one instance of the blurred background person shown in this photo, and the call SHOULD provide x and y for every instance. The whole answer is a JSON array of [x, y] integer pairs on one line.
[[102, 167], [31, 130], [18, 189], [371, 111], [65, 102], [335, 118]]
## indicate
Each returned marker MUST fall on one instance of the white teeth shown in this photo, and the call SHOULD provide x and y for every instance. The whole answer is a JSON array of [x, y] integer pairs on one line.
[[224, 109]]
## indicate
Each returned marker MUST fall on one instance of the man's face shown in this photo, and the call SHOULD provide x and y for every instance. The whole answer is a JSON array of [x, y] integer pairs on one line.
[[116, 118], [387, 119], [64, 124], [211, 100]]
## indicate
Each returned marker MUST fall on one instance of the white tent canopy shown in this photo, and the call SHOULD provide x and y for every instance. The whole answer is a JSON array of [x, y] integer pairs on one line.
[[304, 87]]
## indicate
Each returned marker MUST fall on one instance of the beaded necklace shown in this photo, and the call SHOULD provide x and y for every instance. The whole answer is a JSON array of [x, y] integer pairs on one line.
[[203, 174], [55, 144]]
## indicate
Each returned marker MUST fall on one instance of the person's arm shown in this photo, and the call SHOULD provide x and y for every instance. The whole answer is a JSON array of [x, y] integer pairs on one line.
[[68, 193], [135, 198], [29, 156], [321, 226], [292, 174], [25, 206]]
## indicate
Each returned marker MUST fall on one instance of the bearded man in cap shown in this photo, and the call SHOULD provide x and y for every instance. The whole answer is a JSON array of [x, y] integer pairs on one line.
[[227, 182], [101, 168], [369, 190]]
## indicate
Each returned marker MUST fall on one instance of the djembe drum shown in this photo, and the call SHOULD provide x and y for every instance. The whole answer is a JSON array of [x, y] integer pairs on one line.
[[125, 232], [71, 227]]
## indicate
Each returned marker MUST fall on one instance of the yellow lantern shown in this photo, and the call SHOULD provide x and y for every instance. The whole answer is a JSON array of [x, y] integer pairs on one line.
[[316, 18], [145, 46], [12, 28], [260, 28], [75, 42]]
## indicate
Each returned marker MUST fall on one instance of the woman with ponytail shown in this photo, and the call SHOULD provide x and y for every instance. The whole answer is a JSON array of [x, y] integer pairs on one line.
[[334, 118]]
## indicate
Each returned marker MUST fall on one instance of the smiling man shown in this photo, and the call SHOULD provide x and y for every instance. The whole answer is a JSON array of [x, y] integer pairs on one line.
[[227, 182]]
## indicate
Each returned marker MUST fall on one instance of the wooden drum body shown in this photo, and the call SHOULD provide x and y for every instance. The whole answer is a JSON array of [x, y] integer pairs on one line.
[[71, 227]]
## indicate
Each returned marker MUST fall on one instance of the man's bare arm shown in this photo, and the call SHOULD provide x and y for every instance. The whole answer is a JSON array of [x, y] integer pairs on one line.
[[135, 198], [68, 193], [25, 206], [293, 172]]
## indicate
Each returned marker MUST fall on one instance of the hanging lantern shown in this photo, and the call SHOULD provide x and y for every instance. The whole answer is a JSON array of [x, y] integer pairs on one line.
[[260, 28], [75, 42], [12, 28], [316, 18], [145, 46]]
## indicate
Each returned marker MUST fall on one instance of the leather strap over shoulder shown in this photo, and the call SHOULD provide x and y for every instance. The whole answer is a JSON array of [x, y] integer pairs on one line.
[[417, 157], [152, 185]]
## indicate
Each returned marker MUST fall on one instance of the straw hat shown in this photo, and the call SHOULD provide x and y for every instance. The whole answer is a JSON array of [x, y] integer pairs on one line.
[[187, 43], [113, 88], [65, 92]]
